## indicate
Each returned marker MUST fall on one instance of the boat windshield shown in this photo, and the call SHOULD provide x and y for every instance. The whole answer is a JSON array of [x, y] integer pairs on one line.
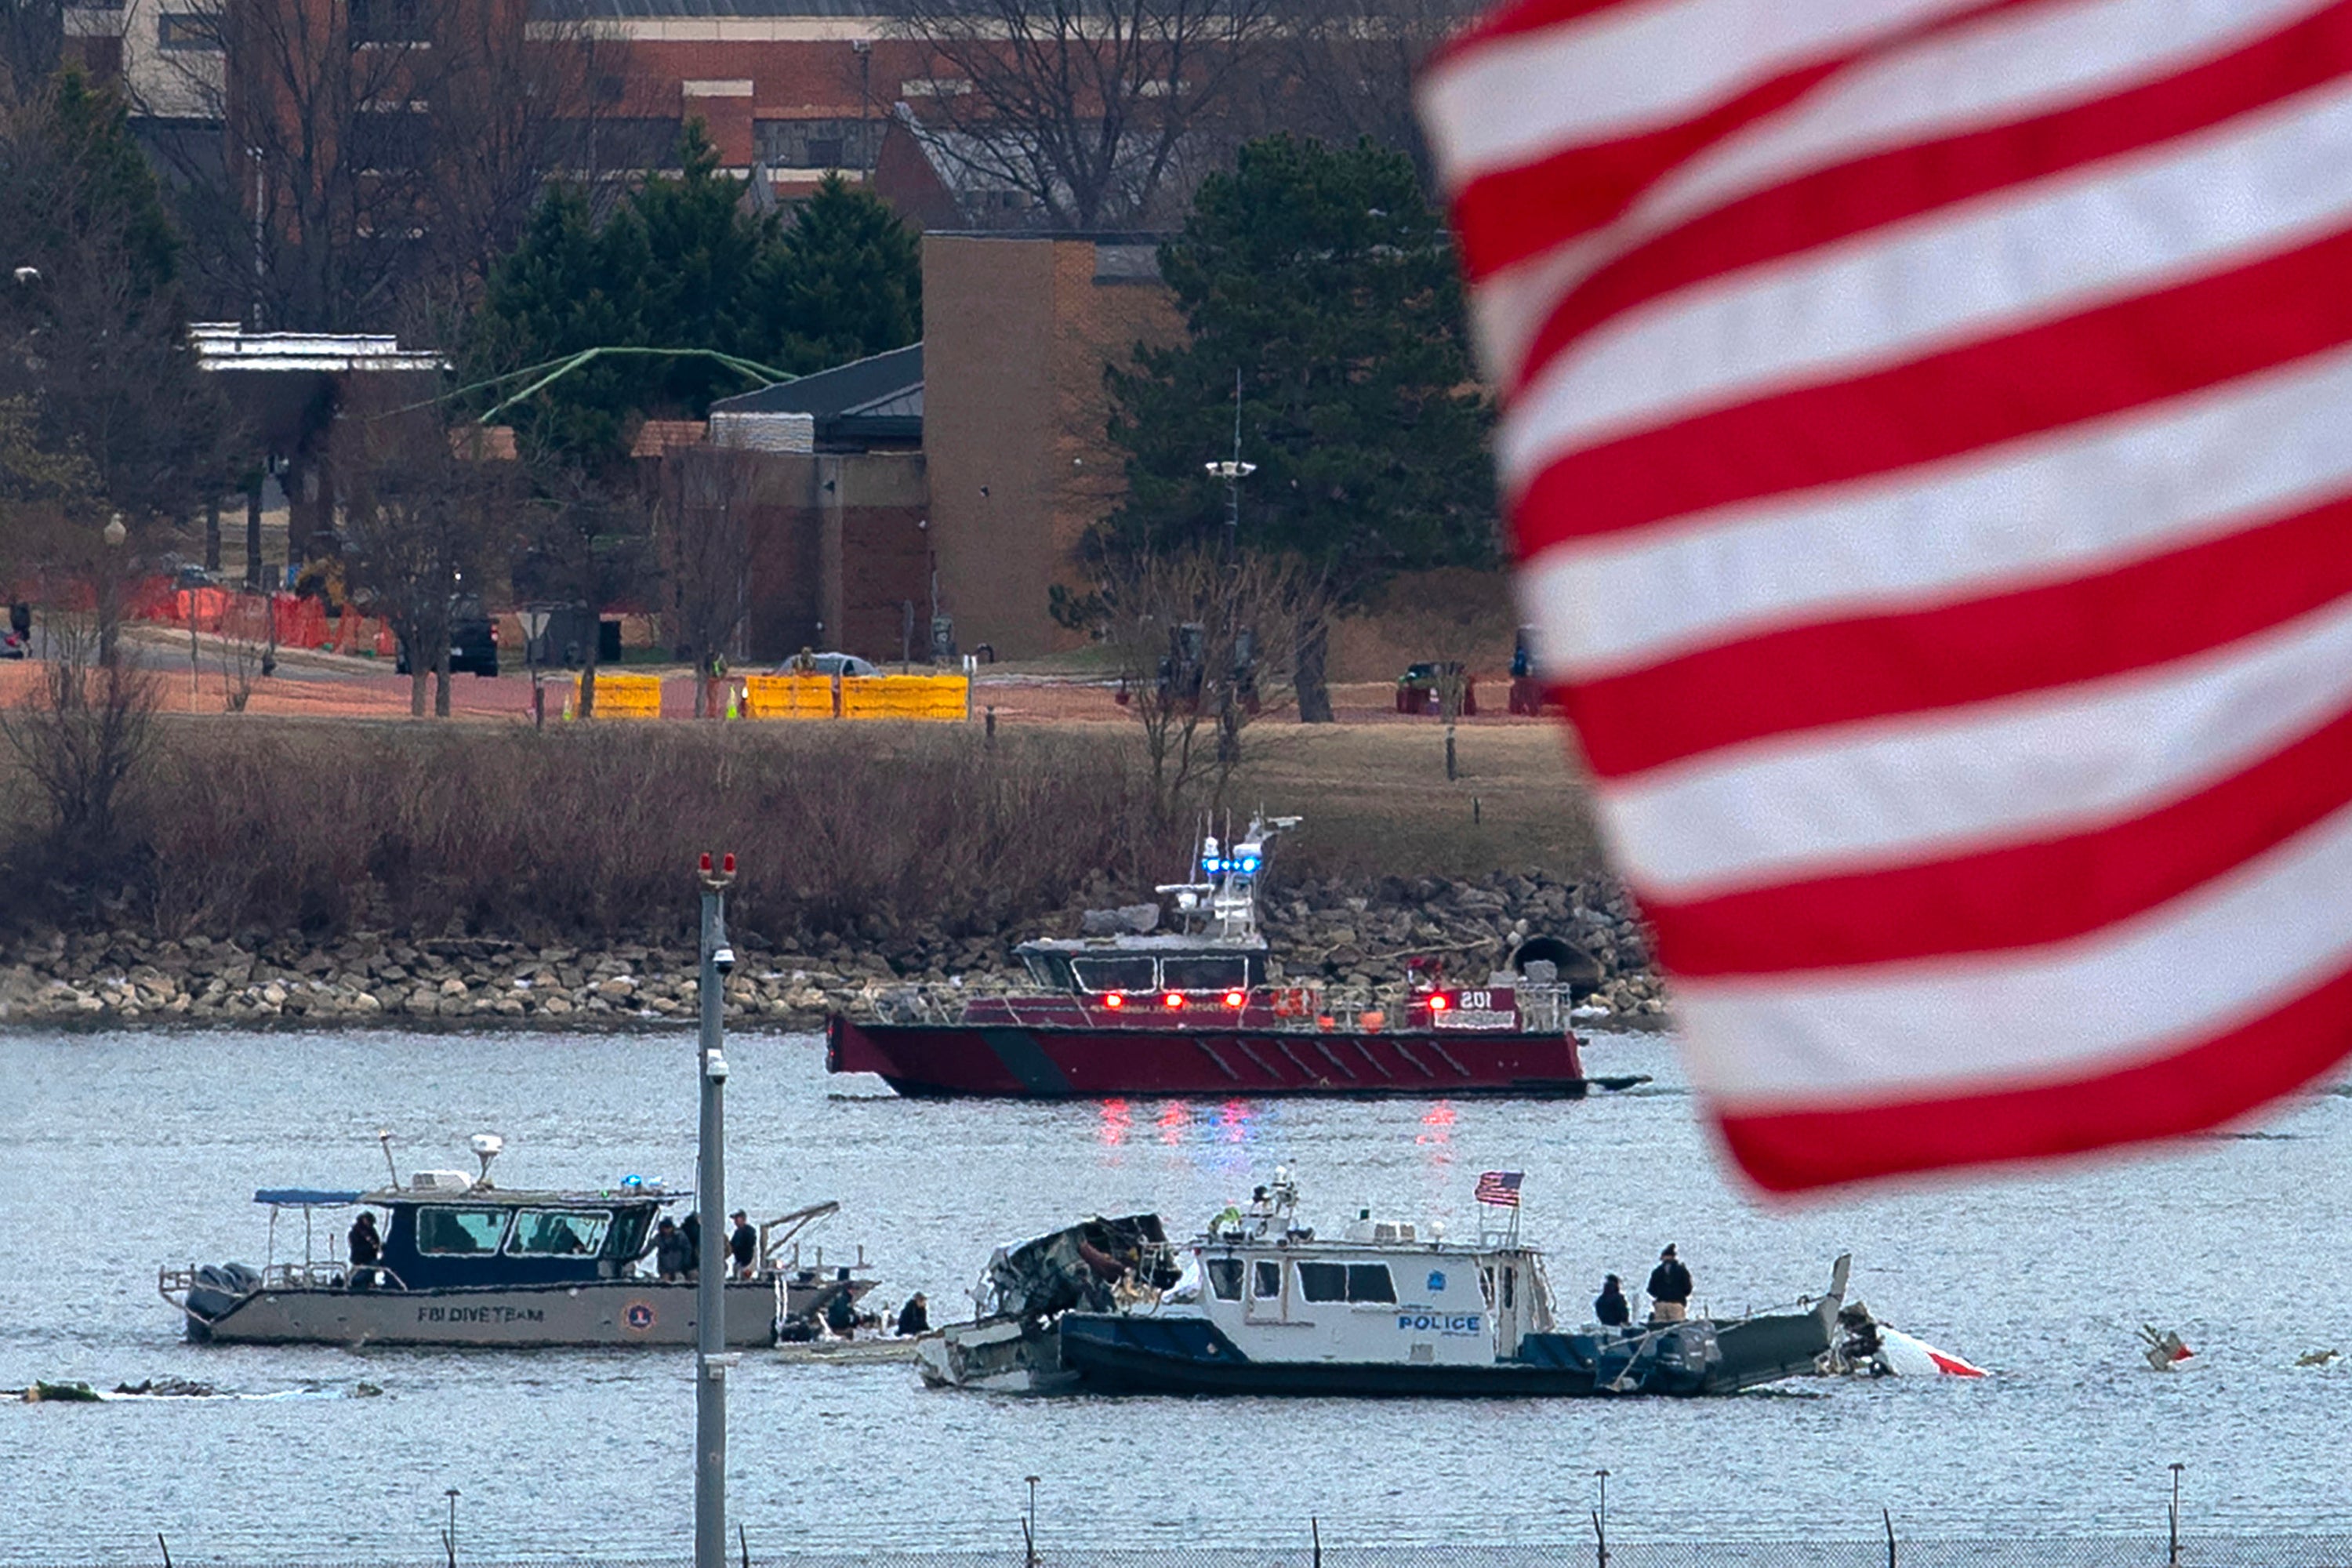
[[1223, 973], [1225, 1278], [456, 1230], [1346, 1282], [1127, 973], [559, 1233]]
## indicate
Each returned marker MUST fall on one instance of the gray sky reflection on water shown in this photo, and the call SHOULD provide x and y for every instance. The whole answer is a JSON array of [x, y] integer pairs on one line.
[[127, 1151]]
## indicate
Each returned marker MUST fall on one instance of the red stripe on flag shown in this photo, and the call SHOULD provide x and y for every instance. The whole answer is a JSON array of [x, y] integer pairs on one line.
[[2169, 606], [1516, 213], [1830, 204], [2018, 896], [2085, 366], [2198, 1086]]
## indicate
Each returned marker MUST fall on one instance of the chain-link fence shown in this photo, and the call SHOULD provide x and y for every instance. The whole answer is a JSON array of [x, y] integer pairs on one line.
[[1238, 1548]]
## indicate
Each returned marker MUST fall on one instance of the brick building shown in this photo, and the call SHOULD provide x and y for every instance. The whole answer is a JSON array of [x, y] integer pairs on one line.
[[1018, 331]]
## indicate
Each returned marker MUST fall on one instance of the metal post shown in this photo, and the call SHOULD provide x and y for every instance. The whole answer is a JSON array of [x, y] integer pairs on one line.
[[2172, 1549], [1029, 1525], [1601, 1521], [711, 1359], [1887, 1517], [449, 1535]]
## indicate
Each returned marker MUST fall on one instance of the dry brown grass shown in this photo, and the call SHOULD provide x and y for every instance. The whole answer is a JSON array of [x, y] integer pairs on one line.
[[255, 825]]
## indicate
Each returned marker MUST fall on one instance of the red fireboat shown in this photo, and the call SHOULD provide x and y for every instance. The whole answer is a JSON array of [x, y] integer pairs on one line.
[[1197, 1012]]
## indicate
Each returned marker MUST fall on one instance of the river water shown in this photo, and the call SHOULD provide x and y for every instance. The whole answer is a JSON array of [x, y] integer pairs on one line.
[[121, 1151]]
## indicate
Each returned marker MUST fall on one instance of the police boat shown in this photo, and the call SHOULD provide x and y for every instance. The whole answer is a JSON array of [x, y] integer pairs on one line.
[[1260, 1304], [466, 1262]]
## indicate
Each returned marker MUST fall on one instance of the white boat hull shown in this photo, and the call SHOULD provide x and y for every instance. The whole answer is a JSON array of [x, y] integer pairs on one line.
[[598, 1312]]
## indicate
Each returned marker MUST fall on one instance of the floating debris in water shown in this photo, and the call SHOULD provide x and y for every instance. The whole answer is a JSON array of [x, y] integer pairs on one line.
[[366, 1391], [166, 1388], [2164, 1351], [2318, 1358], [60, 1393]]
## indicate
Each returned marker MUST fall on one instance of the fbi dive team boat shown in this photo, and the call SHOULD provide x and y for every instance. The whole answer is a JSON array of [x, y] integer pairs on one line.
[[469, 1263], [1259, 1304], [1201, 1011]]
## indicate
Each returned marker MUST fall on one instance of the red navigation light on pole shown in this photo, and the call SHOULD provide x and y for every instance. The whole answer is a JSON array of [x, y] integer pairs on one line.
[[728, 864], [705, 860]]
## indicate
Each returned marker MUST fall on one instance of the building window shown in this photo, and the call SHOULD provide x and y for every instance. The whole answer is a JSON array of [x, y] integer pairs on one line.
[[817, 144], [391, 141], [186, 30], [388, 21]]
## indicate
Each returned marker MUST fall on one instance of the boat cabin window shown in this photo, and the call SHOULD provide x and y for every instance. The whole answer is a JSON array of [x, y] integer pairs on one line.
[[1050, 970], [1269, 1279], [1129, 972], [1225, 1278], [1219, 973], [559, 1233], [1346, 1282], [454, 1230]]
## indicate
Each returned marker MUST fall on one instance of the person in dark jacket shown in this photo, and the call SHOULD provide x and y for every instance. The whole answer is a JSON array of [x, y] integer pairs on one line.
[[1610, 1309], [367, 1251], [1670, 1289], [743, 1245], [841, 1312], [914, 1317], [692, 1231], [669, 1251]]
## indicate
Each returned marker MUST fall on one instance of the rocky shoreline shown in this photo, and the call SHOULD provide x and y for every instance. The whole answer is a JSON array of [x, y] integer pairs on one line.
[[1352, 937]]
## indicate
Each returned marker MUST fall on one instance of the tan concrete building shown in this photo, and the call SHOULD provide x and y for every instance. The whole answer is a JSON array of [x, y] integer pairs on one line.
[[1017, 332]]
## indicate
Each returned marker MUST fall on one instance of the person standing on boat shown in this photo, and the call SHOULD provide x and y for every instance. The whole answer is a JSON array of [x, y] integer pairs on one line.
[[669, 1251], [692, 1231], [366, 1251], [914, 1317], [744, 1246], [1610, 1309], [1670, 1289]]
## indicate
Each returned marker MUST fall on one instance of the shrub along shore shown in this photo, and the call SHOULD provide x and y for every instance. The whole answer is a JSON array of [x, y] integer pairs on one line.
[[1351, 937]]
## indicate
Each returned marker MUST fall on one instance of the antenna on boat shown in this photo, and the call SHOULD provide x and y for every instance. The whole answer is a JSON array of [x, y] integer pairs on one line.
[[485, 1147], [383, 1142]]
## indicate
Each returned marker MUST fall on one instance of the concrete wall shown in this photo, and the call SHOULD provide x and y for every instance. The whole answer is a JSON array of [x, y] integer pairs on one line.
[[1018, 333]]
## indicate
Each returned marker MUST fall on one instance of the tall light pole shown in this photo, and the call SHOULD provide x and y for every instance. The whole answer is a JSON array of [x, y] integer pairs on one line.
[[1234, 471], [2172, 1554], [711, 1359]]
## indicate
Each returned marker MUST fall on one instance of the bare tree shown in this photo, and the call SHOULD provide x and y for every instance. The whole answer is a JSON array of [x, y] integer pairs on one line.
[[378, 148], [708, 494], [87, 733], [423, 511], [1342, 71], [1202, 644], [590, 545], [246, 647], [1088, 109]]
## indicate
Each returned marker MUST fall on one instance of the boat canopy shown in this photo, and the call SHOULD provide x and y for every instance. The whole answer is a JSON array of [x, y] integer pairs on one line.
[[303, 1197]]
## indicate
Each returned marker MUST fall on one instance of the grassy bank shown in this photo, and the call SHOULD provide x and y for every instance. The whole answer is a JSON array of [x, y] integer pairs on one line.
[[251, 826]]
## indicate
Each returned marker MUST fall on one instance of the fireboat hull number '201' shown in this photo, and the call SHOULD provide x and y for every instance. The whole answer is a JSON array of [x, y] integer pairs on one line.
[[1438, 1323]]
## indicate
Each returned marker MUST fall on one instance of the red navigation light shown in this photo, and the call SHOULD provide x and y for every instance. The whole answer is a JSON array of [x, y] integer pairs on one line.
[[1438, 1004], [1114, 1000], [1233, 998], [706, 862], [728, 864], [1173, 999]]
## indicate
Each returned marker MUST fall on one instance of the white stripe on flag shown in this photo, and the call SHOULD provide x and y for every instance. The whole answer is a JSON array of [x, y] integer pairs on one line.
[[1894, 792], [2008, 66], [2270, 932], [2092, 498], [2260, 185], [1631, 67]]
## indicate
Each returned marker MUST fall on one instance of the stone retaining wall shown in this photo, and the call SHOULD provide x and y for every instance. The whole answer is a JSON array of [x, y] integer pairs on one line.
[[1351, 937]]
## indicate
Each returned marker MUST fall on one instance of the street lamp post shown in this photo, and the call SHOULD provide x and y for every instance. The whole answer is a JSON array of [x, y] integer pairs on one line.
[[1233, 471], [712, 1358]]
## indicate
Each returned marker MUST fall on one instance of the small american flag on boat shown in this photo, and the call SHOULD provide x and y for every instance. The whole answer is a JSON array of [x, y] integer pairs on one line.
[[1500, 1188]]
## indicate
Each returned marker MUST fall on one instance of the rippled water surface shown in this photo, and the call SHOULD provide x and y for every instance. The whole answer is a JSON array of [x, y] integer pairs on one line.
[[124, 1152]]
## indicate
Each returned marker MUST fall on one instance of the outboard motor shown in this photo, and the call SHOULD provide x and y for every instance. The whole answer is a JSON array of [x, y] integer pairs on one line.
[[218, 1287]]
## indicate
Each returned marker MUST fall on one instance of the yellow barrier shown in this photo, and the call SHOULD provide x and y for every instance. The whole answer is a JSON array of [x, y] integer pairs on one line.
[[939, 697], [788, 696], [623, 696]]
